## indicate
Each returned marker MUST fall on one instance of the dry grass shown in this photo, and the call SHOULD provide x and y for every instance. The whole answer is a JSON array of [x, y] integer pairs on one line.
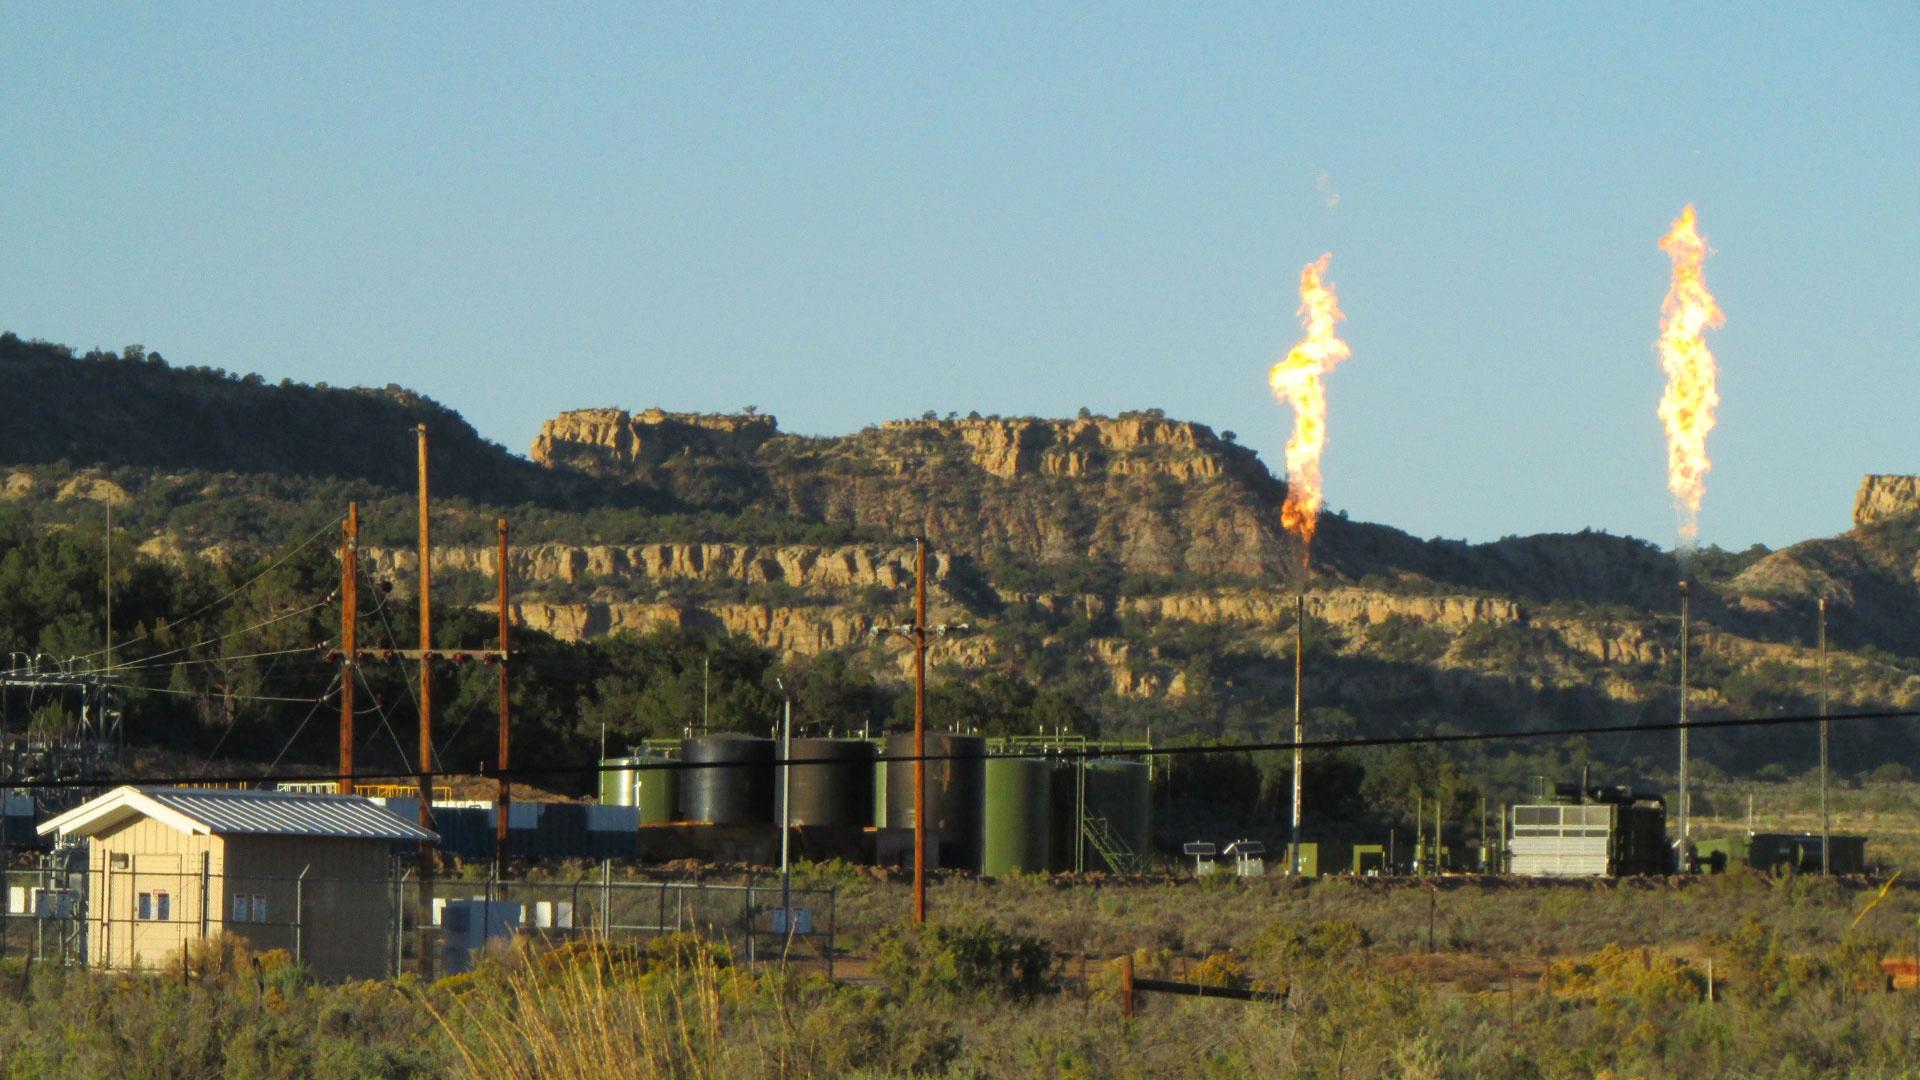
[[588, 1012]]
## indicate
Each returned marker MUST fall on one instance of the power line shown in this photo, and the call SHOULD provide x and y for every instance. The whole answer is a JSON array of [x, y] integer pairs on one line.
[[226, 696], [1062, 753], [223, 598], [311, 713], [379, 706], [433, 749], [150, 661]]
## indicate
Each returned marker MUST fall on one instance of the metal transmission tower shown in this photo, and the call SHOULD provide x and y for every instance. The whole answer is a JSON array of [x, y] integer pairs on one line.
[[90, 749]]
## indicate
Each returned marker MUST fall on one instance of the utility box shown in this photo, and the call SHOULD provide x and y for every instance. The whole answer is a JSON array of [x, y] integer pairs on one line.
[[467, 925], [1309, 859], [802, 920], [553, 914]]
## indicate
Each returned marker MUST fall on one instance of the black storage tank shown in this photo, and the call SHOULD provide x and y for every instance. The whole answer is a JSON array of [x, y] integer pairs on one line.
[[741, 793], [838, 790], [956, 793]]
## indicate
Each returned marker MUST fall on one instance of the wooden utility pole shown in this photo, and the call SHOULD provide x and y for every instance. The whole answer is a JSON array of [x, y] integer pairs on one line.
[[1299, 726], [1686, 801], [506, 786], [919, 633], [349, 638], [920, 730], [1826, 819], [423, 910]]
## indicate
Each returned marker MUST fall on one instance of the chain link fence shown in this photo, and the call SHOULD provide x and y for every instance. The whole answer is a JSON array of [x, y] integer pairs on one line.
[[150, 911]]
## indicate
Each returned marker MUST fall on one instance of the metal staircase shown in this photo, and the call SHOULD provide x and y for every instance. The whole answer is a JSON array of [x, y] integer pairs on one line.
[[1112, 850]]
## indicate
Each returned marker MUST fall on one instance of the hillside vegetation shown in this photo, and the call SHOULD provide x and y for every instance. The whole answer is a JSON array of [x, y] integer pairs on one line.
[[1131, 565]]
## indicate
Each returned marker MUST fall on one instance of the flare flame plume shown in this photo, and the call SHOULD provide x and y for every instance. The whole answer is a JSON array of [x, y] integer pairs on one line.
[[1687, 408], [1296, 381]]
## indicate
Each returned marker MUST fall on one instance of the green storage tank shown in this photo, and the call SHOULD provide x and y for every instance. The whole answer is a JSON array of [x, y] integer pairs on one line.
[[879, 794], [616, 781], [1120, 792], [1019, 816], [655, 791], [1118, 795]]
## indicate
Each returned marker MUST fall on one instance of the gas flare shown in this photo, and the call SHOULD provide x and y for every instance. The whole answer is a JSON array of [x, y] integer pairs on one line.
[[1687, 407], [1296, 380]]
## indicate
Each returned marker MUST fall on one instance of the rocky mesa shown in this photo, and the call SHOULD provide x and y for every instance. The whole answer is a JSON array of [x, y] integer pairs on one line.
[[1884, 496]]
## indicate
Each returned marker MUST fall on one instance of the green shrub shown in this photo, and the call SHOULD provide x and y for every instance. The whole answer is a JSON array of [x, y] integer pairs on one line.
[[976, 959], [1327, 939]]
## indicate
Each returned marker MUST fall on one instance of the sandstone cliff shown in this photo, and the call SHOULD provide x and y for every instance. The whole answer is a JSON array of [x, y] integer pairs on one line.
[[631, 566], [616, 443], [1881, 497], [1145, 493]]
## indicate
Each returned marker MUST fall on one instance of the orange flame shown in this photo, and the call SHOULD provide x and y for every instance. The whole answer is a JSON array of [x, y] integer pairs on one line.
[[1296, 381], [1687, 407]]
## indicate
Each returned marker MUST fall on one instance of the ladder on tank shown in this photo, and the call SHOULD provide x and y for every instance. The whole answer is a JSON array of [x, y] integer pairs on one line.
[[1111, 849]]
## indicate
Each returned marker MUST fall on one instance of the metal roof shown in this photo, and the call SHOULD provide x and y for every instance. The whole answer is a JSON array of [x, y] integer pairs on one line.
[[233, 812]]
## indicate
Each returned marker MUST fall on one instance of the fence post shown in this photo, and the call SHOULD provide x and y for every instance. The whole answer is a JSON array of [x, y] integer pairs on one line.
[[206, 893], [576, 903], [1126, 984], [606, 899], [399, 920], [300, 915], [833, 926]]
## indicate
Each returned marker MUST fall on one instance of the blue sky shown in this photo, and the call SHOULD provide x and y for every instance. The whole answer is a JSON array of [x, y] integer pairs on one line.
[[844, 214]]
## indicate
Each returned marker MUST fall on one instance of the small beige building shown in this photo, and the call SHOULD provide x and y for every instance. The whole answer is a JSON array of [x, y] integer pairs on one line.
[[309, 874]]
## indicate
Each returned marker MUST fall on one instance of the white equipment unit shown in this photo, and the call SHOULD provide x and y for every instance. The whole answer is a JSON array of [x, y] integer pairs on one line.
[[1562, 841], [1248, 857], [467, 925], [553, 914], [41, 903]]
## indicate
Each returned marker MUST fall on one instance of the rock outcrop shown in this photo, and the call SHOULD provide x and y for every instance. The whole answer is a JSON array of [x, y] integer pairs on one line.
[[1346, 608], [1882, 496], [801, 566], [1139, 491], [1131, 445], [616, 443]]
